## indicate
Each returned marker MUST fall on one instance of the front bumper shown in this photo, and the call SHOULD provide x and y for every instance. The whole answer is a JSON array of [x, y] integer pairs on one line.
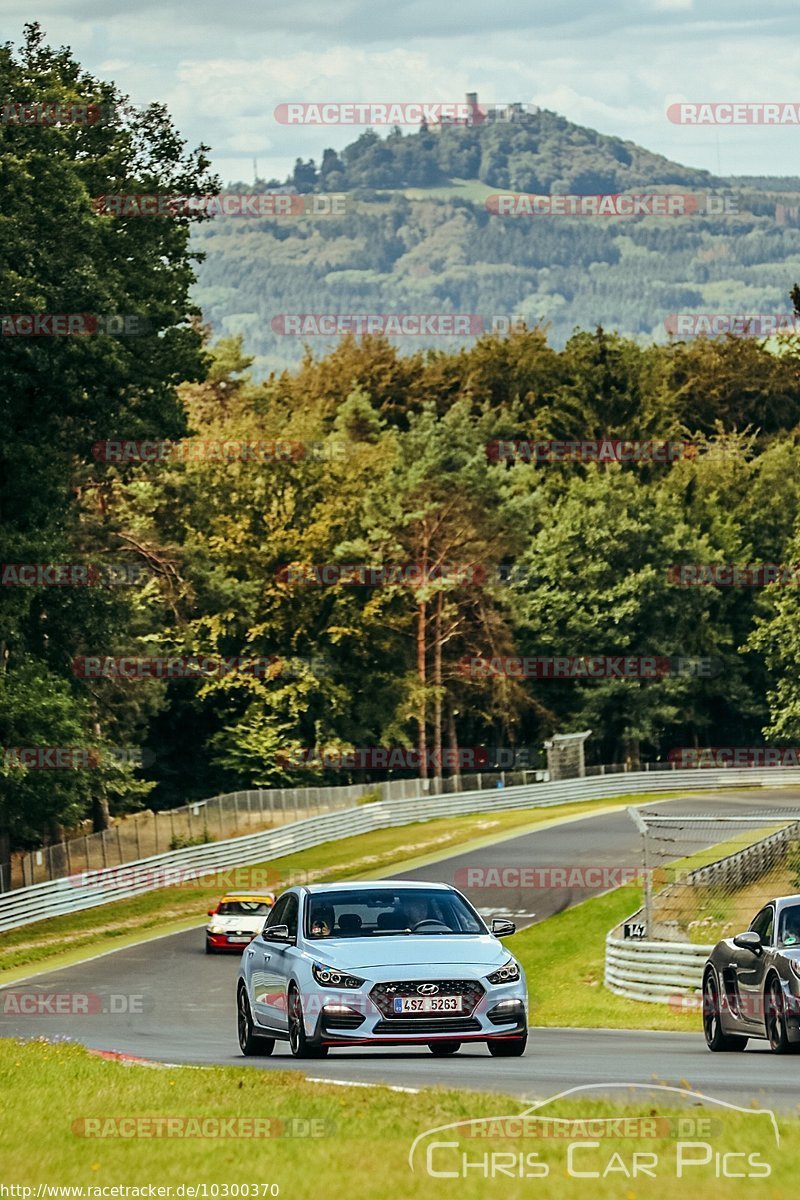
[[222, 941], [360, 1018]]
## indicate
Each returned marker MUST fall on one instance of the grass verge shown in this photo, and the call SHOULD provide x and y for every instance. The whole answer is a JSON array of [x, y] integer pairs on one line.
[[564, 959], [368, 1134]]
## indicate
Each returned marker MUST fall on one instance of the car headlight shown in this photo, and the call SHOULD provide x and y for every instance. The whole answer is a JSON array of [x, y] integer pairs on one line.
[[216, 928], [508, 973], [330, 977]]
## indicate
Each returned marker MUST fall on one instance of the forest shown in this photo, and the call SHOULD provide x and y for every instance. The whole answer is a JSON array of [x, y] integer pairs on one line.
[[322, 550], [407, 223]]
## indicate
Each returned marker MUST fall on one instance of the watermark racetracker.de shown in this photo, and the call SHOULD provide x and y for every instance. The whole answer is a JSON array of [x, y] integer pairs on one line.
[[262, 450], [199, 666], [733, 574], [224, 204], [72, 758], [617, 204], [602, 450], [735, 756], [734, 112], [73, 324], [108, 574], [16, 1002], [736, 324], [585, 666], [125, 1128]]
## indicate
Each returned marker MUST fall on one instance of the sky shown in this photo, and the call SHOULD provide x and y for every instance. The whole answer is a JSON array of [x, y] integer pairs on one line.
[[223, 68]]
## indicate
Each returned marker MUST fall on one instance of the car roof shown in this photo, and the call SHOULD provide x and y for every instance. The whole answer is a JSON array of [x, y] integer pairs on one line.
[[372, 885], [247, 896], [782, 900]]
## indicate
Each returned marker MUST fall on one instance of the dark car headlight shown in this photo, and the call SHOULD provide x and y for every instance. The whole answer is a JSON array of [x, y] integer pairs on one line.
[[508, 973], [330, 977]]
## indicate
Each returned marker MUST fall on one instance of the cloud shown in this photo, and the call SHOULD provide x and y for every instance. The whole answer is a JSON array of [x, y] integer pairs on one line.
[[614, 67]]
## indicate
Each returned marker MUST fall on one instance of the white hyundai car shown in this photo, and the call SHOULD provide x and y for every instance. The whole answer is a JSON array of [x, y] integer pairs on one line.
[[380, 964]]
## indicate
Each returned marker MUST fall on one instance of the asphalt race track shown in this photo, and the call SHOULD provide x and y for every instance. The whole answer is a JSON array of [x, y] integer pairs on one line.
[[167, 1000]]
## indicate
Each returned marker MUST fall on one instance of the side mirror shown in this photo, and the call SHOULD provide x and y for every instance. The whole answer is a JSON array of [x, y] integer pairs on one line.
[[211, 912], [501, 928], [749, 941], [277, 933]]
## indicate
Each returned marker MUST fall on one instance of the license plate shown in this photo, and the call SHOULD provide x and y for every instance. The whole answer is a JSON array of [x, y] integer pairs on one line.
[[428, 1004], [238, 940]]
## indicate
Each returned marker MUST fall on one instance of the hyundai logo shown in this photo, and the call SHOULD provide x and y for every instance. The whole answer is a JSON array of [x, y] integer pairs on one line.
[[428, 989]]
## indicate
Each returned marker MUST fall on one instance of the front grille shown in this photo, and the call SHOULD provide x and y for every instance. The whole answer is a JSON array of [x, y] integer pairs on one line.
[[384, 993], [248, 933], [428, 1024]]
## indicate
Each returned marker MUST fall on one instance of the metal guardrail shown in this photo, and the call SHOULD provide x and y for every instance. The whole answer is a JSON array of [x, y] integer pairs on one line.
[[653, 971], [84, 891], [137, 835], [665, 971]]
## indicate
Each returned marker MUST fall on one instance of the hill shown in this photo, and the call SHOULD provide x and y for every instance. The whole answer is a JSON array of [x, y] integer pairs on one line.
[[416, 236]]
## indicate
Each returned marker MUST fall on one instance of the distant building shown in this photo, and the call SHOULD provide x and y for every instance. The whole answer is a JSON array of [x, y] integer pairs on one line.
[[786, 214], [486, 115]]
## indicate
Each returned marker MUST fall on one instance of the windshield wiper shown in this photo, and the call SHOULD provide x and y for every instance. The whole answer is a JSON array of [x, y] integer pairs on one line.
[[387, 932], [420, 933]]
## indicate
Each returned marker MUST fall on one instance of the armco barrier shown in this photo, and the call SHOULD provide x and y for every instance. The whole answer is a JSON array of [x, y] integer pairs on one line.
[[660, 971], [46, 900], [653, 971], [139, 835]]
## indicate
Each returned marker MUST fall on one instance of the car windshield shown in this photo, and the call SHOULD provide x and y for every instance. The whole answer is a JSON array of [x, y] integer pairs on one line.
[[243, 908], [390, 912], [789, 926]]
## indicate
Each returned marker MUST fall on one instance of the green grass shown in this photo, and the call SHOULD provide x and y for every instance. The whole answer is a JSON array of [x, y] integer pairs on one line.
[[61, 939], [455, 189], [369, 1134], [564, 959]]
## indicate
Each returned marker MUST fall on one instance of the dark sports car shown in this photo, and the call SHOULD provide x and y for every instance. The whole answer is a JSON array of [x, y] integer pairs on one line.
[[751, 982]]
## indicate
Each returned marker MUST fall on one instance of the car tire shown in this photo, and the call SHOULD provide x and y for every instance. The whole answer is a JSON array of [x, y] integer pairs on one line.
[[775, 1019], [209, 948], [716, 1040], [509, 1047], [249, 1044], [298, 1041], [443, 1049]]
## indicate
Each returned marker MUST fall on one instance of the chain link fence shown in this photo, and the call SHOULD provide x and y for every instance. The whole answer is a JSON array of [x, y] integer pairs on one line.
[[705, 877], [143, 834]]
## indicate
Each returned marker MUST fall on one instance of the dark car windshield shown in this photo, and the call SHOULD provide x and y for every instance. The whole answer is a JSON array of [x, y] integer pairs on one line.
[[388, 912], [243, 908], [789, 926]]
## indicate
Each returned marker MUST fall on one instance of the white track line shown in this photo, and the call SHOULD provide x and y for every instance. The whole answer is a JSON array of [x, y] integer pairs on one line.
[[392, 1087]]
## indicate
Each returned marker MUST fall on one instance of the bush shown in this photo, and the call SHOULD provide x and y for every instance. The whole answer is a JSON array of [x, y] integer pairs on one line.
[[181, 843]]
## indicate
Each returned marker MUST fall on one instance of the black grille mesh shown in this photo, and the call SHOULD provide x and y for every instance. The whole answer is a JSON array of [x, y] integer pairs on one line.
[[383, 995]]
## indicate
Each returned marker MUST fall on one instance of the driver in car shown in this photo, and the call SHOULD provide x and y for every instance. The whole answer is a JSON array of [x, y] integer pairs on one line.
[[791, 927], [416, 911], [322, 922]]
